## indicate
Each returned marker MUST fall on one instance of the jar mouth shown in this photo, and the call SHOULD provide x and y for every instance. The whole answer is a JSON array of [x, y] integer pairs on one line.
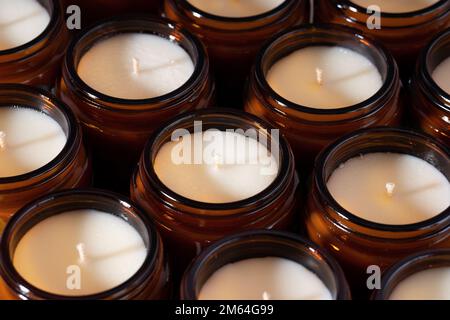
[[106, 201], [349, 5], [133, 24], [40, 100], [327, 35], [198, 13], [218, 119], [54, 8], [409, 266], [429, 60], [260, 244], [399, 142]]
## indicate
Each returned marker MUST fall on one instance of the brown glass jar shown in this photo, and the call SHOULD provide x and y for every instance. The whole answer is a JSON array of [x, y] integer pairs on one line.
[[70, 169], [151, 281], [117, 129], [404, 34], [38, 62], [309, 130], [95, 10], [233, 43], [430, 105], [188, 226], [358, 243], [260, 244], [405, 268]]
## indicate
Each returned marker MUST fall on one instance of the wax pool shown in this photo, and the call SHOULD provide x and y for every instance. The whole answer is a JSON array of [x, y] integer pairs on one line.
[[229, 171], [29, 140], [397, 6], [325, 77], [135, 66], [390, 188], [21, 21], [105, 248], [431, 284], [236, 8], [441, 75], [267, 278]]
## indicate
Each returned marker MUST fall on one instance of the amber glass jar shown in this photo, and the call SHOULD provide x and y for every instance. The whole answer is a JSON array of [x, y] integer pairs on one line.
[[70, 169], [260, 244], [233, 43], [38, 62], [405, 268], [309, 129], [405, 34], [94, 10], [430, 105], [187, 225], [356, 242], [117, 129], [151, 281]]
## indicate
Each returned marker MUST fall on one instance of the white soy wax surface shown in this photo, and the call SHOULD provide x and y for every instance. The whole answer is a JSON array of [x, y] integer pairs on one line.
[[106, 249], [267, 278], [21, 21], [135, 66], [390, 188], [397, 6], [236, 8], [441, 75], [325, 77]]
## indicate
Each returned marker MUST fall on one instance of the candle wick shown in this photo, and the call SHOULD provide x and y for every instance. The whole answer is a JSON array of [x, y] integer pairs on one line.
[[217, 160], [266, 295], [319, 76], [135, 66], [2, 140], [390, 186], [81, 252]]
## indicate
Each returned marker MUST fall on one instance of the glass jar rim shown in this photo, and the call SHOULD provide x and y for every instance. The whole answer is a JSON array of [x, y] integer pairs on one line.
[[198, 13], [159, 187], [95, 96], [73, 130], [391, 68], [406, 264], [55, 15], [7, 267], [424, 68], [319, 178], [348, 4], [195, 267]]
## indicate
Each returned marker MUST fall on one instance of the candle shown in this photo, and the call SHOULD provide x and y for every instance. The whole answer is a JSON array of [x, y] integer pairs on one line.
[[397, 6], [390, 188], [29, 140], [103, 247], [21, 21], [236, 8], [233, 167], [325, 77], [441, 75], [135, 66], [269, 278], [430, 284]]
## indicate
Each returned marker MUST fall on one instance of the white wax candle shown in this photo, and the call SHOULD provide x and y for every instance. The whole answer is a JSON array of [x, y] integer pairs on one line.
[[390, 188], [430, 284], [135, 66], [236, 8], [29, 139], [21, 21], [233, 172], [325, 77], [264, 279], [106, 249], [441, 75], [396, 6]]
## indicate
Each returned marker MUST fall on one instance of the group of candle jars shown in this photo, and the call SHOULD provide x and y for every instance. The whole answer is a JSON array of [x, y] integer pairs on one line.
[[338, 133]]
